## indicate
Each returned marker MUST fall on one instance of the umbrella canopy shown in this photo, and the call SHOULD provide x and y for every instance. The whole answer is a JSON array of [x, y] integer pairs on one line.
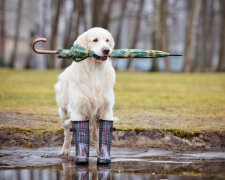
[[79, 53]]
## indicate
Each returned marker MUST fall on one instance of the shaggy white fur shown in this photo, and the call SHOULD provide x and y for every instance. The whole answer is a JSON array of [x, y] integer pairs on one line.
[[84, 91]]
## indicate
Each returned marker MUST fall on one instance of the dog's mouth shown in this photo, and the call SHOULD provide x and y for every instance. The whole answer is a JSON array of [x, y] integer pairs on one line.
[[101, 58]]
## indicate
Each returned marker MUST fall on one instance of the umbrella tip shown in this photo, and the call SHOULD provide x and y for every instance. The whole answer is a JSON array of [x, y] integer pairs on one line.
[[172, 54]]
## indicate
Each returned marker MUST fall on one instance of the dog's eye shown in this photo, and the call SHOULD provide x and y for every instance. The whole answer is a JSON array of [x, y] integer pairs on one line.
[[95, 40], [107, 40]]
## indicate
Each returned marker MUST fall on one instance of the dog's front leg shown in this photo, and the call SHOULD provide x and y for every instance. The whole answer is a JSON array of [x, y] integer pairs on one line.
[[67, 141], [107, 108]]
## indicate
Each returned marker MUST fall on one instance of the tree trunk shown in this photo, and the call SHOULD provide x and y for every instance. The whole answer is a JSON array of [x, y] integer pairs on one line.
[[67, 37], [191, 36], [106, 19], [44, 18], [136, 30], [2, 34], [220, 67], [97, 8], [155, 34], [120, 25], [32, 32], [73, 28], [208, 61], [54, 31], [17, 33], [164, 38], [199, 63], [119, 30]]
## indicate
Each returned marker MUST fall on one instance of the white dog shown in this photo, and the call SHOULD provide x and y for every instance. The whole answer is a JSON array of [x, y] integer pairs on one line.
[[84, 91]]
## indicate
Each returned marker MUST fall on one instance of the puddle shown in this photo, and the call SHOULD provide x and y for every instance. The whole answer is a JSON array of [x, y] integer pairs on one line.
[[127, 163]]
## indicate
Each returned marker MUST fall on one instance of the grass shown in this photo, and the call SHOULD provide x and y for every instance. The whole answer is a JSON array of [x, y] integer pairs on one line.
[[174, 102]]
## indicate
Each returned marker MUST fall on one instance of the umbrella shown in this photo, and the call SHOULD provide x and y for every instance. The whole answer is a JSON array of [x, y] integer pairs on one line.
[[79, 53]]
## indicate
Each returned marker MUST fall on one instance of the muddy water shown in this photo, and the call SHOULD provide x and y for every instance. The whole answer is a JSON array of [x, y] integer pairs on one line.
[[127, 163]]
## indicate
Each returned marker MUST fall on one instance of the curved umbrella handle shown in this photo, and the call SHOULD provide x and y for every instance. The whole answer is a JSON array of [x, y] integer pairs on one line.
[[42, 51]]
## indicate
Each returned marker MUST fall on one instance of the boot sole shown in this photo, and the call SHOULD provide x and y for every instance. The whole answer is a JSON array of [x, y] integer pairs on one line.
[[104, 163], [81, 163]]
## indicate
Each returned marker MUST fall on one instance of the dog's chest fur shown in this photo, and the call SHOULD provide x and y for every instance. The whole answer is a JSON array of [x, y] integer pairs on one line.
[[95, 84]]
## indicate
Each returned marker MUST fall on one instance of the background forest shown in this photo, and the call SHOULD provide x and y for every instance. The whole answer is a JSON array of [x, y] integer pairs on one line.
[[194, 28]]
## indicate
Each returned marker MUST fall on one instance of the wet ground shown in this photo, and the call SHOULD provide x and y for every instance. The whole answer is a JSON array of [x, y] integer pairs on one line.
[[127, 163]]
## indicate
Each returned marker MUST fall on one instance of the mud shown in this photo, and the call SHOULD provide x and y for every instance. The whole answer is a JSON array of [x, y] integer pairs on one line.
[[34, 134], [127, 163], [153, 138], [169, 140]]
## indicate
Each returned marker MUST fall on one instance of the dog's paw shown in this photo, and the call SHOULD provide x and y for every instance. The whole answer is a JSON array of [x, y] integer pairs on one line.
[[65, 152]]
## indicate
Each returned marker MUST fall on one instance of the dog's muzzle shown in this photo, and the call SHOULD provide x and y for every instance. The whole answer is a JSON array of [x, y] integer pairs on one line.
[[101, 58]]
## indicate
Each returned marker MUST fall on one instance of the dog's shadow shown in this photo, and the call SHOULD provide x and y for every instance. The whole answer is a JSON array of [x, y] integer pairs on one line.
[[85, 172]]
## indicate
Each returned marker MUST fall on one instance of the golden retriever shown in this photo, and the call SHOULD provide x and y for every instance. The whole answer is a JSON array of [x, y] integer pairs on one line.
[[84, 90]]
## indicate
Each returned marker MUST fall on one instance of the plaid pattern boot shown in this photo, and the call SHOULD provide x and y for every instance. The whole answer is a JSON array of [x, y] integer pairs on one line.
[[105, 141], [81, 137]]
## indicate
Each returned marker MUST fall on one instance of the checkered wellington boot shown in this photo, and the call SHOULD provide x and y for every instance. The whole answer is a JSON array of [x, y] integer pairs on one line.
[[81, 136], [105, 141]]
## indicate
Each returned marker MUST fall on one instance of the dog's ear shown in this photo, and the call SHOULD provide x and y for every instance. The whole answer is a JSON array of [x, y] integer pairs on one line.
[[82, 40], [111, 42]]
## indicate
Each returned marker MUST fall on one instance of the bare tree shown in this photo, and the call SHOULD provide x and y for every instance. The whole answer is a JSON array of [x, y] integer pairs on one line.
[[164, 38], [120, 24], [17, 33], [97, 8], [54, 30], [208, 63], [2, 30], [222, 39], [106, 19], [191, 36], [68, 31], [136, 30], [201, 40], [119, 29], [155, 33], [74, 21], [32, 32], [206, 36]]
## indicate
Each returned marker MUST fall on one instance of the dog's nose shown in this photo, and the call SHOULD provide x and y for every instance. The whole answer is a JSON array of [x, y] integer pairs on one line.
[[105, 50]]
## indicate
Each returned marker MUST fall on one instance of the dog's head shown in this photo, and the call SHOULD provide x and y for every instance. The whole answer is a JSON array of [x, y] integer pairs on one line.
[[99, 41]]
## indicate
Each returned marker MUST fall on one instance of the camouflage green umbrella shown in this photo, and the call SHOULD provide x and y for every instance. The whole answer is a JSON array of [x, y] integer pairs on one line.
[[79, 53]]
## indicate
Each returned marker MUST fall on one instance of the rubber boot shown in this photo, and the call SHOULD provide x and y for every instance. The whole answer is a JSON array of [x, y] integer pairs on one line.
[[81, 136], [105, 141]]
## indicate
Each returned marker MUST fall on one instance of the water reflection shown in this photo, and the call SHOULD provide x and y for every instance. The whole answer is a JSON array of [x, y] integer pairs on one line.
[[81, 173], [119, 171]]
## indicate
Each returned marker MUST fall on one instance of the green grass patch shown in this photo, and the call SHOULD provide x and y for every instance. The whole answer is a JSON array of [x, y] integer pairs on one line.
[[183, 102]]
